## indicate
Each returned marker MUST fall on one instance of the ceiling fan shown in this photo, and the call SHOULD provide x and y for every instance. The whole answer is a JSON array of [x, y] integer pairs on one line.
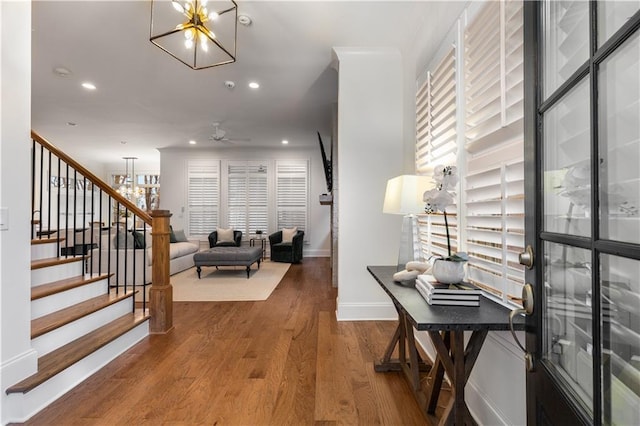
[[220, 135]]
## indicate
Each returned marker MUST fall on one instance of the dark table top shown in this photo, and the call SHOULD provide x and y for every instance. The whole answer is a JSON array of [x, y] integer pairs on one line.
[[489, 315]]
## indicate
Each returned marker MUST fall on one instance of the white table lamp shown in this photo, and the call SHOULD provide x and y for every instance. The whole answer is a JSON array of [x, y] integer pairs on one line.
[[404, 196]]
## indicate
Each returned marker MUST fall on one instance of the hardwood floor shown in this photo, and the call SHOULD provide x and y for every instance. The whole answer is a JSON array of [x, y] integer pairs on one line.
[[283, 361]]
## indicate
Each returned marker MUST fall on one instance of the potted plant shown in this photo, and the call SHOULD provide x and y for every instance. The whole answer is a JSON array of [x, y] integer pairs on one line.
[[449, 269]]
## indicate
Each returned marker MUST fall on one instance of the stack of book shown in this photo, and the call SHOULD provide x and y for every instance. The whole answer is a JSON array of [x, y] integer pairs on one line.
[[435, 293]]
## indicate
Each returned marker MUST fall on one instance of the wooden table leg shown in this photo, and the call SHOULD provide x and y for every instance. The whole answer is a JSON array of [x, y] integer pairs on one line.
[[409, 361], [457, 362], [436, 375], [458, 380], [386, 364]]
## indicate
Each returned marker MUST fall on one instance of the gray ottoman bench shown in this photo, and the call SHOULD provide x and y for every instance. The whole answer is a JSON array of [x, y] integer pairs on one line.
[[228, 256]]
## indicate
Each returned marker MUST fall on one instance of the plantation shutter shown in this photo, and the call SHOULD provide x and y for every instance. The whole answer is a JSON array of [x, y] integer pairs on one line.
[[258, 214], [247, 196], [292, 194], [436, 144], [436, 117], [494, 190], [203, 197], [237, 197], [423, 126]]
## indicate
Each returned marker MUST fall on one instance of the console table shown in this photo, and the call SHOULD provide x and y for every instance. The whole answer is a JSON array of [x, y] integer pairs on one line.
[[446, 326]]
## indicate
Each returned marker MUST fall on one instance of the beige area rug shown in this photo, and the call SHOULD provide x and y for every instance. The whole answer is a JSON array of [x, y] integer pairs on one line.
[[228, 283]]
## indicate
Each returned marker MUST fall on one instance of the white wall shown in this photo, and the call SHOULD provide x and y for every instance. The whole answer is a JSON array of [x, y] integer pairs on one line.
[[17, 359], [173, 172], [370, 151]]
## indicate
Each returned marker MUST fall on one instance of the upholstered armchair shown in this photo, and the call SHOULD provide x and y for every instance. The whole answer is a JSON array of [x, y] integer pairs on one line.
[[237, 240], [290, 252]]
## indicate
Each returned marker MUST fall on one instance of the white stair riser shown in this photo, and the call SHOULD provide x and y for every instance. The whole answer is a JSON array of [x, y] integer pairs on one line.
[[72, 331], [24, 406], [43, 251], [55, 273], [58, 301]]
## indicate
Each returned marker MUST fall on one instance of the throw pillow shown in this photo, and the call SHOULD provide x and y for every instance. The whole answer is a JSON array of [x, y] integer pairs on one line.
[[288, 234], [225, 235], [123, 240], [180, 236], [138, 240], [172, 235]]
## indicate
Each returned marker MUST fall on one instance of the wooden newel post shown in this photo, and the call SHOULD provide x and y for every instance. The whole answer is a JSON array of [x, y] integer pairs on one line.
[[161, 291]]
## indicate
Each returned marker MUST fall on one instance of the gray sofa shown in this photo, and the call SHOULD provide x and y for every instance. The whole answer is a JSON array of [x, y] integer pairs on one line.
[[180, 259]]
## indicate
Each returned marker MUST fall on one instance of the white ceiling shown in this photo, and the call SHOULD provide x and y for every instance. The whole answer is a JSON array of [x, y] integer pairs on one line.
[[150, 100]]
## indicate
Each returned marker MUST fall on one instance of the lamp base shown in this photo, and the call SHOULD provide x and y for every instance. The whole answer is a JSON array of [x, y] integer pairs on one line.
[[409, 242]]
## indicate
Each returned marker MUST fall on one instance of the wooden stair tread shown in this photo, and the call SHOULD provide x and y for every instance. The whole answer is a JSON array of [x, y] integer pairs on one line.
[[46, 240], [59, 286], [46, 323], [52, 261], [54, 362]]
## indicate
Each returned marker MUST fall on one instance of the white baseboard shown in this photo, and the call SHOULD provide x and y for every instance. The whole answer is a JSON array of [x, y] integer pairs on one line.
[[316, 253], [17, 368], [13, 371], [366, 312]]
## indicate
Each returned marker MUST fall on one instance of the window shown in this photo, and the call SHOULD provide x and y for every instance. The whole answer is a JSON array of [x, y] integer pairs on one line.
[[437, 145], [436, 117], [489, 222], [149, 185], [494, 193], [292, 194], [203, 197], [247, 196]]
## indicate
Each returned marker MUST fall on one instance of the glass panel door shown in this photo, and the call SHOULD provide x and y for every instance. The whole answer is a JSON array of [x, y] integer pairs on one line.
[[582, 211], [620, 333], [619, 188], [612, 15], [568, 346], [566, 41], [567, 166], [619, 105]]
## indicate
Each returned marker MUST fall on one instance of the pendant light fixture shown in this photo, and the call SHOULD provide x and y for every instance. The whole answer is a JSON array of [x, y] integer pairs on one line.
[[199, 33], [129, 189]]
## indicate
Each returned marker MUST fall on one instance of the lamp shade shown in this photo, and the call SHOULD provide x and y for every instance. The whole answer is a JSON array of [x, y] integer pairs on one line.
[[404, 194]]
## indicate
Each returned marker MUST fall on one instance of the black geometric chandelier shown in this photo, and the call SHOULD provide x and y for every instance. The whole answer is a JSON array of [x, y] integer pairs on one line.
[[199, 33]]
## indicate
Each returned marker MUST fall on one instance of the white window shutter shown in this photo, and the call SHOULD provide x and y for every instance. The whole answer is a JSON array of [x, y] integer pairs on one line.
[[436, 144], [436, 117], [494, 190], [203, 197], [491, 205], [292, 194], [247, 196]]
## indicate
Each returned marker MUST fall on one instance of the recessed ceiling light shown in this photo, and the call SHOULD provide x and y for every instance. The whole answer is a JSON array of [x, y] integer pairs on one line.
[[89, 86], [254, 85], [61, 71], [192, 142], [284, 142]]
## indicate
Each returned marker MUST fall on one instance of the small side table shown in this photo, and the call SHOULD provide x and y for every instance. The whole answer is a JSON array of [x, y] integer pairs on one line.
[[263, 244]]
